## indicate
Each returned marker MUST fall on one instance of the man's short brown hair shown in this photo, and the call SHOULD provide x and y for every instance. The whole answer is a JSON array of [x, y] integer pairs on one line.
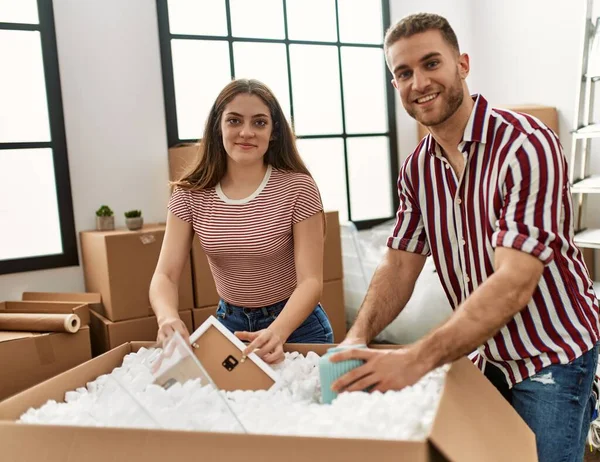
[[418, 23]]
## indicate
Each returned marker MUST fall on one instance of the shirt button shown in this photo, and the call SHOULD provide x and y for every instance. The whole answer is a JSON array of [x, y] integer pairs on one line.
[[459, 201], [467, 279], [463, 242], [447, 166]]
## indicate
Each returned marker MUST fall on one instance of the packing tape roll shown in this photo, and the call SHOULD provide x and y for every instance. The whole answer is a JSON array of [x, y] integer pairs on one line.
[[38, 322]]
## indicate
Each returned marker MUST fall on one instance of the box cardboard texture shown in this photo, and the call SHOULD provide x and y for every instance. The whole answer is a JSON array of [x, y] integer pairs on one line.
[[119, 265], [181, 158], [106, 335], [94, 301], [52, 307], [461, 431]]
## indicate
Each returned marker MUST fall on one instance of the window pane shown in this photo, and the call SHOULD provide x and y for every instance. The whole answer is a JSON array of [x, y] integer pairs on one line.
[[257, 18], [325, 161], [311, 20], [363, 72], [360, 21], [370, 183], [316, 89], [23, 104], [22, 11], [197, 17], [200, 70], [30, 223], [266, 62]]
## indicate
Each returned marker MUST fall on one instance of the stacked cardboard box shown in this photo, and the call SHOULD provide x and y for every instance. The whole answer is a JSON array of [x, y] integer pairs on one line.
[[28, 358], [118, 266]]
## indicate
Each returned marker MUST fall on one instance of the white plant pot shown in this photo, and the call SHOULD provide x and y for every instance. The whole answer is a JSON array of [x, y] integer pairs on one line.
[[105, 223], [134, 223]]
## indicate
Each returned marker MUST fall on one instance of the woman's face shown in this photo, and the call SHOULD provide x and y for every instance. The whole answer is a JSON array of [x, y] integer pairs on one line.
[[246, 126]]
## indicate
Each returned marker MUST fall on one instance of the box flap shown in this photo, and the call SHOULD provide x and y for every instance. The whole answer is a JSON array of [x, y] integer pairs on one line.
[[474, 422], [90, 298], [7, 336]]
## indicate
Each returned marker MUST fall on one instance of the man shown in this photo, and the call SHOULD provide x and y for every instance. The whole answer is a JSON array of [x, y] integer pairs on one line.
[[487, 195]]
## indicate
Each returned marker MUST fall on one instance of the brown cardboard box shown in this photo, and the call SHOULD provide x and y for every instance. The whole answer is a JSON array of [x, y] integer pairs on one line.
[[205, 292], [27, 358], [332, 301], [54, 307], [119, 265], [181, 158], [93, 300], [332, 255], [548, 115], [202, 314], [106, 335], [461, 431]]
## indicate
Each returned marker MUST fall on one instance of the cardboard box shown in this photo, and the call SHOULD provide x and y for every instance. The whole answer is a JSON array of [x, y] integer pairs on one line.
[[548, 115], [28, 358], [205, 291], [81, 310], [106, 335], [181, 158], [473, 423], [119, 265], [332, 300], [200, 315], [332, 254], [93, 300]]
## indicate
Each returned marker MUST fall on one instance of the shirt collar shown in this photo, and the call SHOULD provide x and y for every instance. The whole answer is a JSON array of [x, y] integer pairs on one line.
[[475, 131]]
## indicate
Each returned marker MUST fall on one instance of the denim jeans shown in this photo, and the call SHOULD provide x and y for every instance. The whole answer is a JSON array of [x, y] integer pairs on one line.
[[316, 328], [557, 403]]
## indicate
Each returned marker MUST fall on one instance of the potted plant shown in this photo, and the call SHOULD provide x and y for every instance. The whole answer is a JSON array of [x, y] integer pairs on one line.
[[105, 220], [134, 219]]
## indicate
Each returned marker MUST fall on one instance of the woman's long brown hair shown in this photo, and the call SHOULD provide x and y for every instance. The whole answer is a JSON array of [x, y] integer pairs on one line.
[[211, 165]]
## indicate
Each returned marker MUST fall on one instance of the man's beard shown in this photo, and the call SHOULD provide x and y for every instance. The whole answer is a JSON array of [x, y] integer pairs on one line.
[[454, 98]]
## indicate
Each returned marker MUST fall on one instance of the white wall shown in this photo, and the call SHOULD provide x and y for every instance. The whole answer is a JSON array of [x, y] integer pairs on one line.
[[110, 71]]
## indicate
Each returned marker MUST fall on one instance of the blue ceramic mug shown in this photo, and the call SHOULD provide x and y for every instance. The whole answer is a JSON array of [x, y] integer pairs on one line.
[[329, 372]]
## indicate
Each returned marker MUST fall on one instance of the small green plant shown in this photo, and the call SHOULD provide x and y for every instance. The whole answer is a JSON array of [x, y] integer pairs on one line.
[[133, 214], [104, 211]]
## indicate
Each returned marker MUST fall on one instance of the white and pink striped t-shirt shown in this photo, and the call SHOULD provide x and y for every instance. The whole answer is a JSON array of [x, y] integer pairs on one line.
[[249, 242]]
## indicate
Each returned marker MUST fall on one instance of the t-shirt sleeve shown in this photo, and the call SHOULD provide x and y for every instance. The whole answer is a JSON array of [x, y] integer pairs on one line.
[[409, 232], [308, 200], [179, 204], [533, 206]]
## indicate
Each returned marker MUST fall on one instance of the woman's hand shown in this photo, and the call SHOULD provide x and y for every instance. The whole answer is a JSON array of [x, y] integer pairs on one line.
[[167, 328], [266, 343]]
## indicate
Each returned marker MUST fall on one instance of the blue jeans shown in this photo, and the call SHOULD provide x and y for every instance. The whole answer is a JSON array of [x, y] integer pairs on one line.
[[316, 328], [557, 403]]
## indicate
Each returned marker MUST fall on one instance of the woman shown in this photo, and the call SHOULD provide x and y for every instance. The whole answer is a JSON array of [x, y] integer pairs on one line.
[[259, 217]]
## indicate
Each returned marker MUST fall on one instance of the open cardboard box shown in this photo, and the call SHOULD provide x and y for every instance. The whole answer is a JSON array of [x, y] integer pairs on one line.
[[473, 423], [80, 309]]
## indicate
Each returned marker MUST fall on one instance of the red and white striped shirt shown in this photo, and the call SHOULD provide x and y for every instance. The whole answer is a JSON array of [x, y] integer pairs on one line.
[[249, 242], [514, 192]]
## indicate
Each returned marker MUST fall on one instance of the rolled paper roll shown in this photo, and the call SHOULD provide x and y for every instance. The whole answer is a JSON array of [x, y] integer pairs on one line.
[[40, 322]]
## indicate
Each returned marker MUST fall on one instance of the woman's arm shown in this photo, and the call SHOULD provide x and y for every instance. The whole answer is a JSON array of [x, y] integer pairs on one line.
[[164, 287]]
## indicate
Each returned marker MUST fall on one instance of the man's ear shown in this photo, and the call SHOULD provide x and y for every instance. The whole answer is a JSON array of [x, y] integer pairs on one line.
[[464, 65], [394, 83]]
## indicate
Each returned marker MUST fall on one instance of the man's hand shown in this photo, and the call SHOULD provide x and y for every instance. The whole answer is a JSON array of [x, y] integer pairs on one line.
[[266, 343], [383, 370], [348, 341]]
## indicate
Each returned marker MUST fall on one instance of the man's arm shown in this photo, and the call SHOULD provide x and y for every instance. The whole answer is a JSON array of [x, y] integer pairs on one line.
[[389, 291], [486, 311], [482, 315]]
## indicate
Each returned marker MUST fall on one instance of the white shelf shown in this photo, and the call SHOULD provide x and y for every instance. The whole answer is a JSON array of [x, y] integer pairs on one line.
[[587, 185], [589, 131], [590, 238]]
